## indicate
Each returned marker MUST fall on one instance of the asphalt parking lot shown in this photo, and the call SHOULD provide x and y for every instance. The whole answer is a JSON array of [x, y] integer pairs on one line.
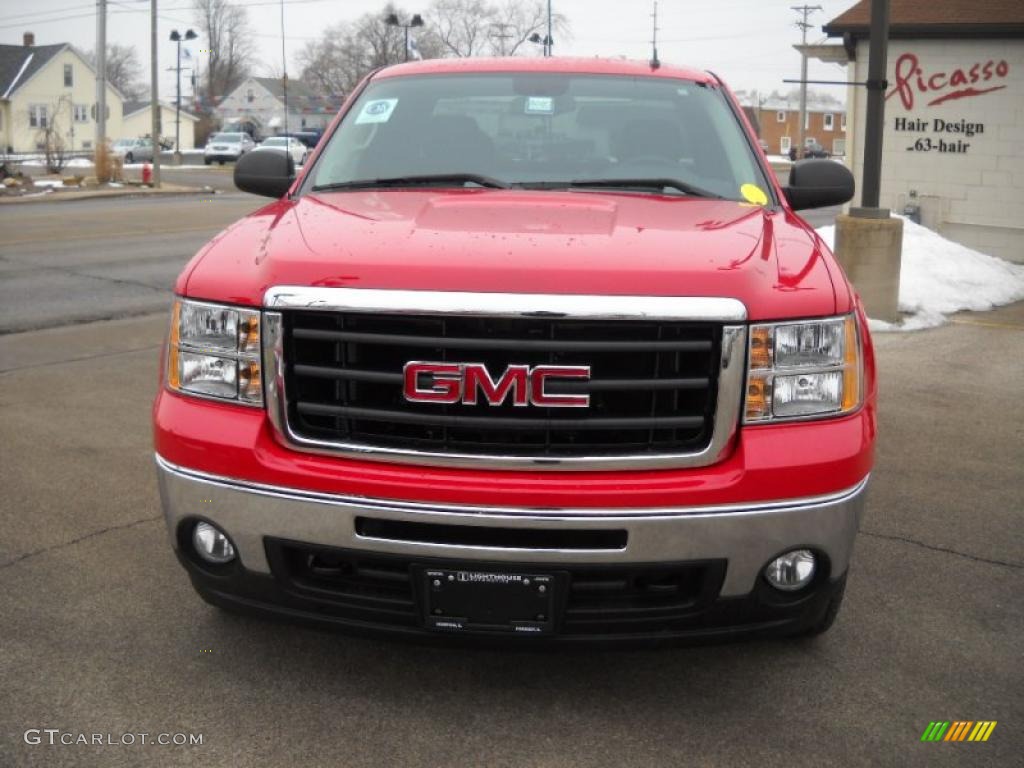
[[101, 632]]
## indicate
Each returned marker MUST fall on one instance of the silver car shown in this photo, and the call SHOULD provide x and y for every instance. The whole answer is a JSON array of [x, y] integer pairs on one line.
[[133, 150], [222, 147]]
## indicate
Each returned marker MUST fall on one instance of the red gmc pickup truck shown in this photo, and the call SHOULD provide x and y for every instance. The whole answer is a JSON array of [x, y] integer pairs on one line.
[[530, 350]]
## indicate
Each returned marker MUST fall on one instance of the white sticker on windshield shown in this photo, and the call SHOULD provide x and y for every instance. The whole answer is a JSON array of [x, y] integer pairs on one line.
[[540, 105], [376, 111]]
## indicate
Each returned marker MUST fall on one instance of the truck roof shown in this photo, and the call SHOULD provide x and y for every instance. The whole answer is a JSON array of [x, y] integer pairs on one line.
[[591, 66]]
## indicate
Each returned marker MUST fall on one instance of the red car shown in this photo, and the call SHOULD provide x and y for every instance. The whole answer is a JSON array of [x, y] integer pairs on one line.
[[533, 350]]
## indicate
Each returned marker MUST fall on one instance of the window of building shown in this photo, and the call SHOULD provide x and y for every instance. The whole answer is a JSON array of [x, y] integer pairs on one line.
[[81, 113], [780, 116], [37, 116], [842, 121], [829, 121], [784, 145], [810, 141], [86, 145], [69, 76], [250, 95]]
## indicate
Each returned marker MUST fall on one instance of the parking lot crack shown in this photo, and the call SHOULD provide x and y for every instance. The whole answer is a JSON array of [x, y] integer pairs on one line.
[[945, 550], [86, 537]]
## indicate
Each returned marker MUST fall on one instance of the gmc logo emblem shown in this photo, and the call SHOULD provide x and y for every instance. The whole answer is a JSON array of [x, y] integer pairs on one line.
[[470, 383]]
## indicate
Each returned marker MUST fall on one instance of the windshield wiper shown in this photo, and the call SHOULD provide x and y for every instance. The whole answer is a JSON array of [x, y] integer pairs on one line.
[[657, 184], [413, 181]]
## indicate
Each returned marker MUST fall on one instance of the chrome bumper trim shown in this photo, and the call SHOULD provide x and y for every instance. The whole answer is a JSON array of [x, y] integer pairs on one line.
[[747, 535], [730, 375]]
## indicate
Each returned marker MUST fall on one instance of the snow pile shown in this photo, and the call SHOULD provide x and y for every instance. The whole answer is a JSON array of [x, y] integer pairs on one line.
[[51, 183], [79, 162], [939, 277]]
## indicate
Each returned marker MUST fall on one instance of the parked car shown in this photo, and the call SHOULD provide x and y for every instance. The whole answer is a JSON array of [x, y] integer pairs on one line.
[[814, 149], [133, 150], [293, 146], [542, 391], [222, 147], [309, 138]]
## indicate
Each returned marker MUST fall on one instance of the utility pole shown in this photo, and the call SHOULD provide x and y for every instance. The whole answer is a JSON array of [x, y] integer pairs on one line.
[[805, 11], [101, 73], [654, 38], [502, 36], [875, 122], [284, 72], [154, 101]]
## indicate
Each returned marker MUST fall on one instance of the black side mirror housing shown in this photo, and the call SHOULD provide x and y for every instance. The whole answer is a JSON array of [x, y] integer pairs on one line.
[[268, 173], [818, 184]]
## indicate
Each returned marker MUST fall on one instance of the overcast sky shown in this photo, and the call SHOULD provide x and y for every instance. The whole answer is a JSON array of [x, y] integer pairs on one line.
[[747, 42]]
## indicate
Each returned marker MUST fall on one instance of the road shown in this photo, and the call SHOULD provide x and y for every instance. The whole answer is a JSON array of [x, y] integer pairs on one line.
[[99, 259], [101, 632]]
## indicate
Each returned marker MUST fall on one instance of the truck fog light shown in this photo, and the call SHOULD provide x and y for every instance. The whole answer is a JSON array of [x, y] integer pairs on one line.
[[212, 544], [791, 571]]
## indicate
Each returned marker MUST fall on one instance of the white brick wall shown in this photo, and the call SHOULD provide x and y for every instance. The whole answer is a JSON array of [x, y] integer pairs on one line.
[[982, 189]]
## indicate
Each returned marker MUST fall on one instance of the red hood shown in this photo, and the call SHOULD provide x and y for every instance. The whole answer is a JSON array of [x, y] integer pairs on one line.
[[522, 241]]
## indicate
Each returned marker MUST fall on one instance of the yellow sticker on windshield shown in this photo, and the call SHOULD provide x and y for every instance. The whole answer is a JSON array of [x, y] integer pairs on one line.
[[754, 194]]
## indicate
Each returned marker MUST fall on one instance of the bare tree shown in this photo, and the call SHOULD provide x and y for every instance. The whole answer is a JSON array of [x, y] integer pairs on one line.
[[462, 26], [228, 39], [518, 20], [124, 69], [346, 52], [479, 28]]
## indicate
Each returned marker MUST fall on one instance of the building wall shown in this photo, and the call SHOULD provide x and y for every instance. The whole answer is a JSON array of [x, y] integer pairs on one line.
[[775, 132], [46, 88], [141, 124], [963, 157]]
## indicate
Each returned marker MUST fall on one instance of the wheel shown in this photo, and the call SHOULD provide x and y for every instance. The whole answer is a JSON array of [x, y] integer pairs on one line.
[[129, 157], [828, 618], [221, 161], [207, 160]]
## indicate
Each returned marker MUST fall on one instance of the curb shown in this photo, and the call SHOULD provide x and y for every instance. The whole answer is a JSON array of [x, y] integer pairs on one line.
[[77, 196]]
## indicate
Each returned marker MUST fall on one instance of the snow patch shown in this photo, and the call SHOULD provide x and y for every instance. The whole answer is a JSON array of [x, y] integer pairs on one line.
[[939, 277], [51, 183]]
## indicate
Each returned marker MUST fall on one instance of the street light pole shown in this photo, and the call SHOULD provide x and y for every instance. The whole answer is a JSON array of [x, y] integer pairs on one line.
[[177, 38], [154, 101], [548, 40], [416, 21]]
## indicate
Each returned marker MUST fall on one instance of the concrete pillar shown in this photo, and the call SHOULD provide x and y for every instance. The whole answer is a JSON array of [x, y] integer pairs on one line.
[[870, 250]]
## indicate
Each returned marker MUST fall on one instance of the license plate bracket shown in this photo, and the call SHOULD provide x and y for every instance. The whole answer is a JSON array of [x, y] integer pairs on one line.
[[489, 601]]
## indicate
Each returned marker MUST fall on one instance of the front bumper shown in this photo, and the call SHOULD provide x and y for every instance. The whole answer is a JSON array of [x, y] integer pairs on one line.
[[728, 544]]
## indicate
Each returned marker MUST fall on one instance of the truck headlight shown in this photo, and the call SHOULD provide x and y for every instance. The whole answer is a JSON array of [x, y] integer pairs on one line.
[[214, 351], [803, 370]]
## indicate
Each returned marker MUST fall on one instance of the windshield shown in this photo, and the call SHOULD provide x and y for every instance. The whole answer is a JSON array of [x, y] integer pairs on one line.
[[227, 138], [544, 130], [275, 143]]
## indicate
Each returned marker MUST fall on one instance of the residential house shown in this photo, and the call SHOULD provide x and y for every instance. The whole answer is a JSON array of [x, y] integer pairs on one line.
[[50, 89], [824, 123], [137, 120], [260, 101]]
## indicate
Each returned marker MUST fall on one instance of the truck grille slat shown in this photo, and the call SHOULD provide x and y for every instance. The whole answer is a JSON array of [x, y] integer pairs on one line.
[[653, 385], [552, 345], [487, 422]]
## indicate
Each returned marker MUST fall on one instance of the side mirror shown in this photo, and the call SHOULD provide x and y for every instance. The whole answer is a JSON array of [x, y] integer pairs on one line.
[[265, 173], [818, 184]]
